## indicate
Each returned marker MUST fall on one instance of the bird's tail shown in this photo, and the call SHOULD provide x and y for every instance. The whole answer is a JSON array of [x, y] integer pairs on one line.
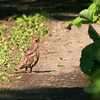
[[18, 67], [21, 65]]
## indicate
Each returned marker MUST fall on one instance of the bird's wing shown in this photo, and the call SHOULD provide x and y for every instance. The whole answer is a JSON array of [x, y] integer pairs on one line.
[[29, 57], [22, 63], [36, 58], [29, 53]]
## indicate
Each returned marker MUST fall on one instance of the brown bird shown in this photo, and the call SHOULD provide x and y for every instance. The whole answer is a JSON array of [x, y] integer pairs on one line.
[[31, 57]]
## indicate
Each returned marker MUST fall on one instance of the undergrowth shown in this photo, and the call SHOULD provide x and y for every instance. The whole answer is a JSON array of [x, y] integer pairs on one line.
[[90, 58], [16, 40]]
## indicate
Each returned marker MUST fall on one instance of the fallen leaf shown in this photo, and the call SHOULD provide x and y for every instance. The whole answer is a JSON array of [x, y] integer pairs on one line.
[[60, 65], [45, 64], [19, 77], [61, 59]]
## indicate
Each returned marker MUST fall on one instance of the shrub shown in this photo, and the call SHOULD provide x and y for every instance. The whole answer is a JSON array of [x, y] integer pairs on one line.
[[16, 40]]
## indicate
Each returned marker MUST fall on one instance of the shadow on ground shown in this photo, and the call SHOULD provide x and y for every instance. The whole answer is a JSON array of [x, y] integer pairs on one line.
[[18, 7], [44, 94]]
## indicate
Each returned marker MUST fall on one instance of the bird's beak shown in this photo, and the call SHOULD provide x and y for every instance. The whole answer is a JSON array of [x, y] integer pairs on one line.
[[38, 40], [15, 69]]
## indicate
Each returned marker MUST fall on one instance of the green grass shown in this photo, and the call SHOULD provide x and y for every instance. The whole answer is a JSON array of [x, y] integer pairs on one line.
[[16, 40]]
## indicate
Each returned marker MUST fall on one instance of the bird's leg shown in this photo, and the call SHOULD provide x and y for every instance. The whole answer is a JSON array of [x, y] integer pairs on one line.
[[26, 68], [30, 69]]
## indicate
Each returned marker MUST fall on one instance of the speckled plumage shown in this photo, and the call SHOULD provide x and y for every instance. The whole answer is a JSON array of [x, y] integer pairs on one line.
[[31, 57]]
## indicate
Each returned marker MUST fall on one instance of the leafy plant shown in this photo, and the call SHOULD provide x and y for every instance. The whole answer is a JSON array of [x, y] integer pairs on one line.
[[90, 58], [14, 44], [87, 16], [90, 65]]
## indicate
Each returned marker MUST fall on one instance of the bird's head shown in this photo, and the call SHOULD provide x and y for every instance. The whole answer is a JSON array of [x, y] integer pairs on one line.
[[36, 38]]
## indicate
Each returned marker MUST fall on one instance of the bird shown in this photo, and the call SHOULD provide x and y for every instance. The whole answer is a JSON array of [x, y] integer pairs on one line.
[[31, 57]]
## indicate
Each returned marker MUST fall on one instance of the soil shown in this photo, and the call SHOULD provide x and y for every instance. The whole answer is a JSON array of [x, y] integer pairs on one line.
[[61, 47], [48, 81]]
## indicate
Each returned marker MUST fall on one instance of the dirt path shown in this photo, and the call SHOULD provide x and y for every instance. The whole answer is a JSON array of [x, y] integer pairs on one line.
[[61, 47], [48, 81]]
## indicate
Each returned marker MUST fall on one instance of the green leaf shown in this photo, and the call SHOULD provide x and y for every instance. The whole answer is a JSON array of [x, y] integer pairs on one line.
[[69, 26], [86, 16], [94, 35], [95, 9], [90, 58], [19, 77], [76, 22], [24, 16], [60, 65]]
